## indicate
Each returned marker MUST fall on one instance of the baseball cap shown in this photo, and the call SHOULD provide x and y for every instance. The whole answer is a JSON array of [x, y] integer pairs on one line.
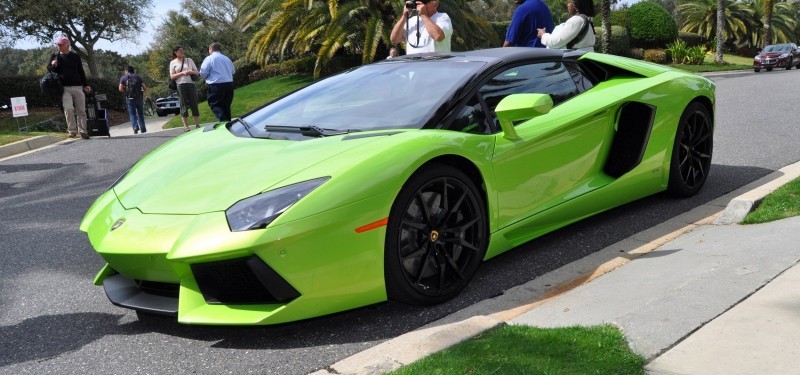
[[62, 41]]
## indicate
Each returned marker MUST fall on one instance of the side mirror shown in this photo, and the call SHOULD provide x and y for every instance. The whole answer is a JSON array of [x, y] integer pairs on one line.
[[516, 107]]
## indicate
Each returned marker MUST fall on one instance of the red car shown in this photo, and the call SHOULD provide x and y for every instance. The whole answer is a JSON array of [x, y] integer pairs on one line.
[[777, 56]]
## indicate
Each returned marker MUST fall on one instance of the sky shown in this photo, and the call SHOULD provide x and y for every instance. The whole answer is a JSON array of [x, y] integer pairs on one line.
[[124, 48]]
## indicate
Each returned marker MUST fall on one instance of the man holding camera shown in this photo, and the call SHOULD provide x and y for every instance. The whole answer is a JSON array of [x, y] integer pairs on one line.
[[429, 31]]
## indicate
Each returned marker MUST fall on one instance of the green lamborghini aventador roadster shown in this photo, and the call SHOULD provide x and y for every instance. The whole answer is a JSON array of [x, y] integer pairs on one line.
[[393, 180]]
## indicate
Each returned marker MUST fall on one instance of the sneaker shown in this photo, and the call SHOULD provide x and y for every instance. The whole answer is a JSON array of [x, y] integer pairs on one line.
[[84, 136], [136, 131], [144, 131], [72, 135]]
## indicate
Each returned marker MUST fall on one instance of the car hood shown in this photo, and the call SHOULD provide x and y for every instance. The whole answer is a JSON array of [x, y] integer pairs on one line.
[[207, 171], [771, 55]]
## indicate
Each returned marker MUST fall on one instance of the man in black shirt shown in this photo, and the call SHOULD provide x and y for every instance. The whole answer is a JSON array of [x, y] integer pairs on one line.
[[69, 67]]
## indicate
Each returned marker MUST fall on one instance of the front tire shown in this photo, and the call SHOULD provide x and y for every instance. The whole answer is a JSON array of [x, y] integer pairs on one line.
[[691, 151], [757, 70], [436, 236], [789, 67]]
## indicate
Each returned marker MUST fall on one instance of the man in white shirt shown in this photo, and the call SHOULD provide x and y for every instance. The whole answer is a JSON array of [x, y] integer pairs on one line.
[[430, 31]]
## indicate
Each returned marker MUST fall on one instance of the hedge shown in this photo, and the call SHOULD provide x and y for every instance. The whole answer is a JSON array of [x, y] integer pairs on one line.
[[28, 87]]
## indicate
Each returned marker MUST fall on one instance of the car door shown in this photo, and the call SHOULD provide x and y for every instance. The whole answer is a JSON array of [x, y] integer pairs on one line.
[[556, 156]]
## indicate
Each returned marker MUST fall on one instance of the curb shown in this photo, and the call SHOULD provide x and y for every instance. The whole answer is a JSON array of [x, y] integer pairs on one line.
[[26, 145], [484, 315]]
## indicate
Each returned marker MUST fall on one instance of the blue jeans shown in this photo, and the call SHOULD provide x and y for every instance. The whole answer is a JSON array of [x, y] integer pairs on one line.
[[136, 113]]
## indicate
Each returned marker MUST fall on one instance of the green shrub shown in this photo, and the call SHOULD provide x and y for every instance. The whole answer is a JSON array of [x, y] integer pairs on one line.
[[619, 17], [695, 55], [657, 56], [677, 51], [620, 44], [650, 25], [500, 29], [692, 39]]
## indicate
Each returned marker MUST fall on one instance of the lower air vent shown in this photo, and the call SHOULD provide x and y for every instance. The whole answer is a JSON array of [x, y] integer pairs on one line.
[[242, 281]]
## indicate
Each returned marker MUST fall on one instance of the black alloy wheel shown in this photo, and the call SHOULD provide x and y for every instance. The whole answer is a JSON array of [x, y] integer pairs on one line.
[[692, 150], [436, 237]]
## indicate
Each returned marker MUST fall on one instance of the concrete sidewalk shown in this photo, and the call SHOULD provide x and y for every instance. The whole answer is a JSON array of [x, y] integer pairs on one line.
[[692, 295]]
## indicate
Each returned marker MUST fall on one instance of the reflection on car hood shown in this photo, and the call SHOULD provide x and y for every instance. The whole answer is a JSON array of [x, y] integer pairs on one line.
[[209, 171], [770, 54]]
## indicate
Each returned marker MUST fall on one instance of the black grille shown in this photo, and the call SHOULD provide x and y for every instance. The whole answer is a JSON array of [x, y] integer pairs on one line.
[[157, 288], [242, 281]]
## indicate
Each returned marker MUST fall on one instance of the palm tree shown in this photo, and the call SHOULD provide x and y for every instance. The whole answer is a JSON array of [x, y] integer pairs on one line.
[[324, 28], [701, 17], [768, 7], [720, 31], [605, 12], [783, 23]]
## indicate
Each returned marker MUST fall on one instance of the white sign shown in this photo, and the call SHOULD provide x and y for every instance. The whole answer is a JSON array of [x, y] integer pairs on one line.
[[19, 106]]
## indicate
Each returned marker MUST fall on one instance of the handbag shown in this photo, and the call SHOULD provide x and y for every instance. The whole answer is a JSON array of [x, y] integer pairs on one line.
[[174, 85]]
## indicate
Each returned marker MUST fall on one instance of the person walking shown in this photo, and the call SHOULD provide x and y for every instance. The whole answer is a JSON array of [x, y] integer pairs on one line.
[[69, 67], [430, 31], [218, 70], [529, 16], [184, 72], [134, 88], [577, 32]]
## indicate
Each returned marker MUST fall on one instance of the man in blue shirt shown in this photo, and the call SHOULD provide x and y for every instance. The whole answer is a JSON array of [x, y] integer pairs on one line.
[[529, 16], [217, 69]]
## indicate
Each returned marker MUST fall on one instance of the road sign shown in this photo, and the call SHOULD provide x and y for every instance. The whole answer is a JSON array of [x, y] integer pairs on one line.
[[19, 106]]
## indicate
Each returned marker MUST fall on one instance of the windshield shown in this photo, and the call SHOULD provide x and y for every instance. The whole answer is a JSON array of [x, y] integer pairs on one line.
[[779, 48], [401, 94]]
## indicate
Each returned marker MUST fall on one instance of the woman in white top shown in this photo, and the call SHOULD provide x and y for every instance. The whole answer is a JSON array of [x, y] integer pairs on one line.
[[577, 32], [184, 72]]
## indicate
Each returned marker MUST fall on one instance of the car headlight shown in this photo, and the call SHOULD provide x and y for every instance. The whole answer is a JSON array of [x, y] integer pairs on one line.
[[758, 58], [258, 211], [785, 55]]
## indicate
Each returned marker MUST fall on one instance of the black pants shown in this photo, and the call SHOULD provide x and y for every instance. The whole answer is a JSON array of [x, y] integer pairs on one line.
[[220, 97]]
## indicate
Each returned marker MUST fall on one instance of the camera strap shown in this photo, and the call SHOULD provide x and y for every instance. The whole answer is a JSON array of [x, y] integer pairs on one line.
[[418, 34]]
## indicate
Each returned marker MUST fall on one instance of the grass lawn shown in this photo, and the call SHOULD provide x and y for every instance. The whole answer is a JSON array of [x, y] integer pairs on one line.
[[9, 126], [249, 97], [531, 350], [732, 62], [780, 204]]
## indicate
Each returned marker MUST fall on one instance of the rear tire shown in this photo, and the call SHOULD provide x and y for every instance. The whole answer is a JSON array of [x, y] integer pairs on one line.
[[436, 237], [691, 152]]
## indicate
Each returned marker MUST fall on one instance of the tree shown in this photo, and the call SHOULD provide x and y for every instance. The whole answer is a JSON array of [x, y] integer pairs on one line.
[[720, 31], [769, 5], [222, 21], [605, 11], [700, 16], [84, 22], [782, 24]]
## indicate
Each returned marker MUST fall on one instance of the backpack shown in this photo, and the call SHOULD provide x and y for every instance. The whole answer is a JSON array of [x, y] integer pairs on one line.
[[133, 86], [587, 24], [50, 86]]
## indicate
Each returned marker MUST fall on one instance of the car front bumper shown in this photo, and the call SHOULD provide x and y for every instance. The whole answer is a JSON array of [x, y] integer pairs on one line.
[[161, 264]]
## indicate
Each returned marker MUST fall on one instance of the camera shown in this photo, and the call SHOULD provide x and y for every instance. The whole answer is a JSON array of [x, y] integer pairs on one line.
[[411, 4]]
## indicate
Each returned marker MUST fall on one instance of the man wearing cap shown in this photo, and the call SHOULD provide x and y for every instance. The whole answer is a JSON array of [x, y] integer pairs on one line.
[[69, 67], [218, 69]]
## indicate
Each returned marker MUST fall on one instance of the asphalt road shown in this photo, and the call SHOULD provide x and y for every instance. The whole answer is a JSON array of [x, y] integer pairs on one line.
[[53, 320]]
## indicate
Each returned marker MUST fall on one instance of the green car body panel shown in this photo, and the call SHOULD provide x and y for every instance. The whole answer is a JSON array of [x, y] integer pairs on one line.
[[168, 212]]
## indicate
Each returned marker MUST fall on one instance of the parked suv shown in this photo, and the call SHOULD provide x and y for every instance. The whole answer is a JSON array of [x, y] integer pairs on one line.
[[171, 104], [777, 56]]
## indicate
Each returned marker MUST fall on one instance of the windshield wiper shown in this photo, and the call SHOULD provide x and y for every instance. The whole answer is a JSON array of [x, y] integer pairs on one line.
[[308, 131]]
